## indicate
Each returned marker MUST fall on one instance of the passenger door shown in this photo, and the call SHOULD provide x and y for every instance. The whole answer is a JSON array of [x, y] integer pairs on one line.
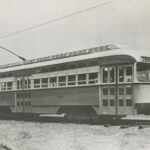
[[23, 102], [125, 100], [23, 95], [108, 100]]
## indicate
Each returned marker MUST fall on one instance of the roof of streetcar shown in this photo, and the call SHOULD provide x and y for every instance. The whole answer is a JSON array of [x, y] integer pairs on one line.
[[90, 53]]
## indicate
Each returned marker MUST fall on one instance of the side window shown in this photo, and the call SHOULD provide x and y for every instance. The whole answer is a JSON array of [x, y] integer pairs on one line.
[[121, 74], [62, 80], [82, 79], [105, 75], [93, 78], [3, 86], [36, 83], [129, 74], [72, 80], [19, 83], [108, 75], [143, 72], [112, 74], [27, 83], [9, 85], [53, 82], [125, 74], [23, 81], [44, 82]]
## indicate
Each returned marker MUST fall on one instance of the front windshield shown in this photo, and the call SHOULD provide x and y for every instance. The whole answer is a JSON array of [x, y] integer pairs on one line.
[[143, 72]]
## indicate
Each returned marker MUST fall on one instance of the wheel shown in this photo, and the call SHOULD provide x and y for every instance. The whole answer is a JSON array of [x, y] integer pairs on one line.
[[70, 116], [93, 118], [79, 114]]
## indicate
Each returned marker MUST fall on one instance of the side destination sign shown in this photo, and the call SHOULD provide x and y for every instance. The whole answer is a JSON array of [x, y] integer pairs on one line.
[[63, 55]]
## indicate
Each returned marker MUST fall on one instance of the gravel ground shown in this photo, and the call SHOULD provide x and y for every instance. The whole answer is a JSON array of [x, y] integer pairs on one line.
[[56, 136]]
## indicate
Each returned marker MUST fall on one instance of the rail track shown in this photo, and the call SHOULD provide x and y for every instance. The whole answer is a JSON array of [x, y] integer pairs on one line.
[[141, 124], [123, 123]]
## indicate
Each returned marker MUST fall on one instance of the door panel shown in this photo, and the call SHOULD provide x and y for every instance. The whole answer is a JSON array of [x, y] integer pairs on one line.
[[129, 100], [120, 100], [120, 103], [108, 100], [23, 100], [23, 104], [125, 100]]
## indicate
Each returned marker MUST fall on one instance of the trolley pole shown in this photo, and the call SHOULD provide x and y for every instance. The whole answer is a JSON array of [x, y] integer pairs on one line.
[[116, 87], [23, 80], [22, 58], [23, 87]]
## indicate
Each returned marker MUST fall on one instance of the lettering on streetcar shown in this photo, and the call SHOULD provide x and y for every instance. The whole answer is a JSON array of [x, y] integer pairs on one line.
[[63, 55]]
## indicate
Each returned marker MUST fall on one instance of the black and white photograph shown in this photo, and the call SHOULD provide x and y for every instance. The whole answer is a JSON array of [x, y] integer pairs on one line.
[[74, 74]]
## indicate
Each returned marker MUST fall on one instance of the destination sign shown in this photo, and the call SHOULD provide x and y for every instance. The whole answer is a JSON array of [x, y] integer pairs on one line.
[[63, 55]]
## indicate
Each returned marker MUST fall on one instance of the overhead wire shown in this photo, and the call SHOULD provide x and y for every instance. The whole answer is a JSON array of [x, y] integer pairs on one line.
[[54, 20]]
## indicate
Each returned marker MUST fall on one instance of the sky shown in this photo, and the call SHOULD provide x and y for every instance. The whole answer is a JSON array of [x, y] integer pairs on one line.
[[125, 22]]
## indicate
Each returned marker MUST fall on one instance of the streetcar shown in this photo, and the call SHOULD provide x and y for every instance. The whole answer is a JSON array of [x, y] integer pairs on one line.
[[109, 80]]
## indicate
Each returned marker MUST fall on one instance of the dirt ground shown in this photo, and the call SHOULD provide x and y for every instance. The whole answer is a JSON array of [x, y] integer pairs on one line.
[[57, 136]]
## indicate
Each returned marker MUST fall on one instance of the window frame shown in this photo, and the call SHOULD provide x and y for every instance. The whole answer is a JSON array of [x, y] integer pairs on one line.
[[110, 101], [53, 84], [128, 75], [9, 88], [27, 83], [130, 92], [37, 85], [44, 84], [105, 102], [125, 73], [3, 87], [62, 83], [121, 93], [19, 83], [108, 77], [94, 80], [129, 102], [73, 82], [82, 81], [105, 91]]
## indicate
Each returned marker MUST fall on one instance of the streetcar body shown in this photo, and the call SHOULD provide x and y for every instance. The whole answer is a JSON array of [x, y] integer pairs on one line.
[[106, 81]]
